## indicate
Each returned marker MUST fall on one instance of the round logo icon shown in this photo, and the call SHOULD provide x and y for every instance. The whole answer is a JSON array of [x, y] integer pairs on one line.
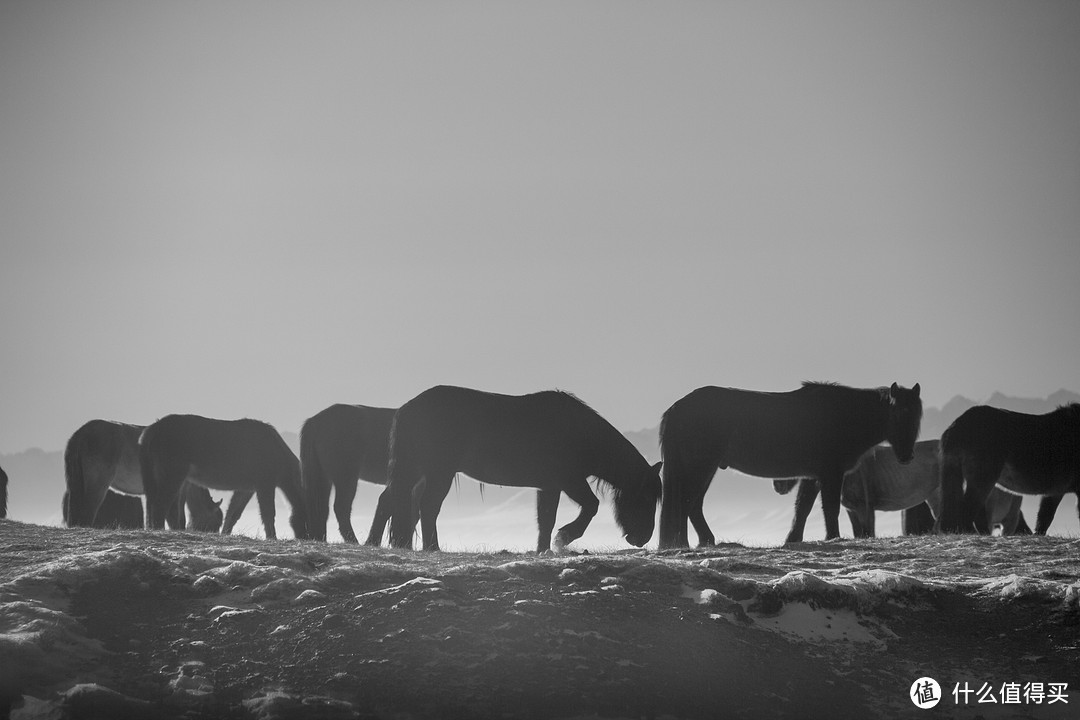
[[925, 693]]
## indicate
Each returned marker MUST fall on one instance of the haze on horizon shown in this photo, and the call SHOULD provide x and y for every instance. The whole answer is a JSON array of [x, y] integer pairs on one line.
[[257, 209]]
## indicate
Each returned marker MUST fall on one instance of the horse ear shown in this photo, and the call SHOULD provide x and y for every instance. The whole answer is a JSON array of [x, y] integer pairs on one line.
[[218, 502], [657, 466], [894, 389], [916, 389]]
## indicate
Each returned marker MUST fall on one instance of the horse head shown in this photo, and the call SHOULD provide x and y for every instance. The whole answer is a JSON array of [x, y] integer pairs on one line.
[[635, 506], [905, 416], [207, 519]]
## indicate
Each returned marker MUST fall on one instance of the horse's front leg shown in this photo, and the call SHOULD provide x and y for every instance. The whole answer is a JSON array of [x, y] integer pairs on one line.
[[547, 507], [344, 494], [578, 490], [1048, 506], [237, 503], [804, 503], [831, 485]]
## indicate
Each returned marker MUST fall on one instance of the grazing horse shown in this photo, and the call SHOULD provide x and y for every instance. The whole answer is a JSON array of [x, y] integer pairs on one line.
[[246, 456], [339, 446], [548, 440], [101, 455], [1022, 453], [879, 482], [3, 493], [820, 430]]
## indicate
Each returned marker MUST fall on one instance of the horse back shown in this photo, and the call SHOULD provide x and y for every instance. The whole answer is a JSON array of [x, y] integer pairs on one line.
[[803, 432], [501, 439], [350, 439], [221, 454]]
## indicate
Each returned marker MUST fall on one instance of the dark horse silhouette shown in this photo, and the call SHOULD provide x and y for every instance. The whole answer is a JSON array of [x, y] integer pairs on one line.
[[879, 482], [820, 431], [3, 493], [101, 455], [1022, 453], [240, 455], [548, 440], [339, 446], [117, 510]]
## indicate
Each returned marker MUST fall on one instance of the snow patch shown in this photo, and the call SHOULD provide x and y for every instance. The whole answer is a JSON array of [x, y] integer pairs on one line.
[[800, 621]]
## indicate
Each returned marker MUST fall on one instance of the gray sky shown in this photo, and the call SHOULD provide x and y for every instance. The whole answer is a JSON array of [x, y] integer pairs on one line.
[[258, 209]]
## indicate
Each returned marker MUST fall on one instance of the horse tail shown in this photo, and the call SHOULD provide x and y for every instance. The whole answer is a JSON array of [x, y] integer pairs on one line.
[[672, 512], [952, 514], [294, 493], [313, 481], [74, 502]]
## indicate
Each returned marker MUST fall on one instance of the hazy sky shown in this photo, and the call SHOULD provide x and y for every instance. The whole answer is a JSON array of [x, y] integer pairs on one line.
[[258, 209]]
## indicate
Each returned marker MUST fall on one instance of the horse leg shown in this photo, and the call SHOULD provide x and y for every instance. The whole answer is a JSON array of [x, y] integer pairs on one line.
[[684, 499], [92, 499], [177, 517], [344, 493], [918, 520], [161, 484], [831, 485], [317, 497], [267, 511], [870, 525], [433, 493], [684, 487], [695, 511], [577, 490], [1048, 506], [547, 507], [858, 529], [804, 503], [979, 486], [383, 511], [237, 503]]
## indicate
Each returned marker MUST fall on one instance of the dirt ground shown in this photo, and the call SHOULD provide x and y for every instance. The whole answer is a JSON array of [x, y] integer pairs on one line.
[[161, 624]]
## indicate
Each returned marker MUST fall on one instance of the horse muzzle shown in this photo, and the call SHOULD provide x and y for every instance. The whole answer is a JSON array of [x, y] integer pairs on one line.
[[637, 540]]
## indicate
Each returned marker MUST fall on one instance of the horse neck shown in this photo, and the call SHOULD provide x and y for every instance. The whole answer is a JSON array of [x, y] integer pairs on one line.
[[617, 462], [871, 410]]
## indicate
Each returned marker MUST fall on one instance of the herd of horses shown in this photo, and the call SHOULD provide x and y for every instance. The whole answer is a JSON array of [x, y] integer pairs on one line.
[[826, 438]]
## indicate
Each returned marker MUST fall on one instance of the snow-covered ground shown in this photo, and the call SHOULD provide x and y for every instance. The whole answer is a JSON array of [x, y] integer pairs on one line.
[[166, 624]]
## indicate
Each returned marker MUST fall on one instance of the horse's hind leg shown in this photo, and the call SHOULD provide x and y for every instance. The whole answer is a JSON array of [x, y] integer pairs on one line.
[[577, 490], [237, 503], [1048, 506], [804, 503], [433, 493], [684, 492], [858, 529], [267, 511], [176, 517], [547, 508], [383, 511], [344, 493]]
